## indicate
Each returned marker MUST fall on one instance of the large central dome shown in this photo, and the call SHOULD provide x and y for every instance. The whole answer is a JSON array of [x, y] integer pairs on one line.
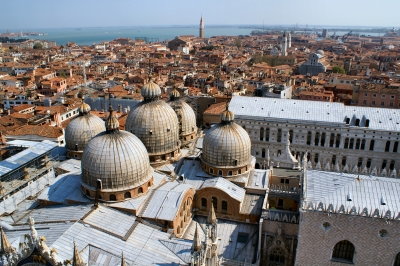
[[155, 123], [119, 160], [226, 148]]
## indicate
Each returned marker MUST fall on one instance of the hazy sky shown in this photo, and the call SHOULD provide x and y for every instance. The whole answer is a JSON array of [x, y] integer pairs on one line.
[[22, 14]]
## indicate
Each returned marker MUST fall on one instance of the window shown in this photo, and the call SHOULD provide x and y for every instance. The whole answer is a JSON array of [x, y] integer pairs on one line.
[[323, 137], [351, 144], [211, 171], [309, 138], [127, 195], [332, 140], [279, 136], [395, 146], [113, 197], [358, 144], [203, 203], [343, 251], [267, 134], [277, 256], [369, 161], [382, 103], [363, 144], [333, 159], [316, 140], [263, 153], [316, 158], [140, 190], [383, 96], [371, 145], [397, 260], [344, 160], [384, 163], [374, 95], [391, 166], [219, 172], [262, 134], [387, 146], [229, 172], [215, 202], [360, 160], [224, 206], [291, 136], [346, 143], [338, 140], [373, 103]]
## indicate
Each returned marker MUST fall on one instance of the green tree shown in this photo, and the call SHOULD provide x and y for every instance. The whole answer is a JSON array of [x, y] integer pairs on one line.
[[37, 46], [338, 69], [237, 43]]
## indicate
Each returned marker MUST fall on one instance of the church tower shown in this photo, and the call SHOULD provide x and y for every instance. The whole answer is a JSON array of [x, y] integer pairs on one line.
[[201, 33], [284, 44], [289, 40]]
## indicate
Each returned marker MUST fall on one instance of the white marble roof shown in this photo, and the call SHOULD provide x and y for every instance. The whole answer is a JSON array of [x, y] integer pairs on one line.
[[346, 193], [334, 113]]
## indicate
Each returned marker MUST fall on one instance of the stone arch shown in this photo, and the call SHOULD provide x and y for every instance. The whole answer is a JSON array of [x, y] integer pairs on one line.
[[343, 251], [277, 255]]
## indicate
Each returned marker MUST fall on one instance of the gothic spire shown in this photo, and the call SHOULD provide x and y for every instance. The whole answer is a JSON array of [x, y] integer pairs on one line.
[[212, 218], [77, 259], [123, 262], [5, 244], [196, 246]]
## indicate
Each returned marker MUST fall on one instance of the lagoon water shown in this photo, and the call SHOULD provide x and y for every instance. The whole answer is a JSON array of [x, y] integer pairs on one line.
[[88, 36]]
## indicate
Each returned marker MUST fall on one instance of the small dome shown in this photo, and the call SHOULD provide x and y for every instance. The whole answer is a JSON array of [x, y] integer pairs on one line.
[[321, 52], [112, 122], [151, 91], [118, 159], [187, 120], [226, 144], [84, 108], [82, 129], [156, 125]]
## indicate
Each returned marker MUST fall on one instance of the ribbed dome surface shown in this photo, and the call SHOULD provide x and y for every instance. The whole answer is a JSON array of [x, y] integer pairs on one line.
[[156, 125], [84, 108], [226, 145], [186, 116], [150, 90], [118, 159], [81, 130]]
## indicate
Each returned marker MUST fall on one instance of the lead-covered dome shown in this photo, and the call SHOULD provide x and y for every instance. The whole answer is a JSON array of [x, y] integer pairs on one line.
[[155, 123], [120, 160], [226, 148], [186, 118], [81, 130]]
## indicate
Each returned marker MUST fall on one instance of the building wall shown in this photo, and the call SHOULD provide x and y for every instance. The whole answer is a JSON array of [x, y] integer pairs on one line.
[[323, 152], [316, 244]]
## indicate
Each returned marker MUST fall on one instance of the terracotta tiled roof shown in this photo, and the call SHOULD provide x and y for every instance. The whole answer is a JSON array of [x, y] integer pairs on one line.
[[42, 131], [216, 109]]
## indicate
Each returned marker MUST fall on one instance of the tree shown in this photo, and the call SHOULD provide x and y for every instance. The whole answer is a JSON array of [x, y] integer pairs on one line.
[[338, 69], [37, 46], [237, 43]]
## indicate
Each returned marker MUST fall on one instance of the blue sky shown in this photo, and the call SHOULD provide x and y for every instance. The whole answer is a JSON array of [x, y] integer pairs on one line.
[[97, 13]]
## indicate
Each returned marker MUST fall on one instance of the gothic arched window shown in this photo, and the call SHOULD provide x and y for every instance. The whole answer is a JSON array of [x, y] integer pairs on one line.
[[277, 256], [397, 260]]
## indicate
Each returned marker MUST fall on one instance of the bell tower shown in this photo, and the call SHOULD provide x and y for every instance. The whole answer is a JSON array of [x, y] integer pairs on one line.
[[201, 30]]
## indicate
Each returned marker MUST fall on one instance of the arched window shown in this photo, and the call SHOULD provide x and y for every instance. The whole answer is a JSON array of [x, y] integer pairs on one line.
[[224, 206], [203, 203], [338, 140], [369, 161], [334, 160], [395, 146], [219, 172], [397, 260], [215, 202], [263, 153], [127, 195], [113, 197], [309, 138], [211, 171], [344, 160], [387, 147], [279, 137], [351, 146], [316, 139], [343, 251], [149, 184], [291, 136], [267, 134], [358, 144], [140, 190], [363, 144], [257, 166], [371, 145], [239, 171], [332, 140], [229, 172], [384, 163], [262, 134], [277, 256], [323, 137], [316, 157], [346, 143], [391, 166], [87, 193], [357, 122]]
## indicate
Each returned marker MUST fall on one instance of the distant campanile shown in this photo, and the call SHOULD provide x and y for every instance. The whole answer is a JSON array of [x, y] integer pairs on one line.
[[201, 34]]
